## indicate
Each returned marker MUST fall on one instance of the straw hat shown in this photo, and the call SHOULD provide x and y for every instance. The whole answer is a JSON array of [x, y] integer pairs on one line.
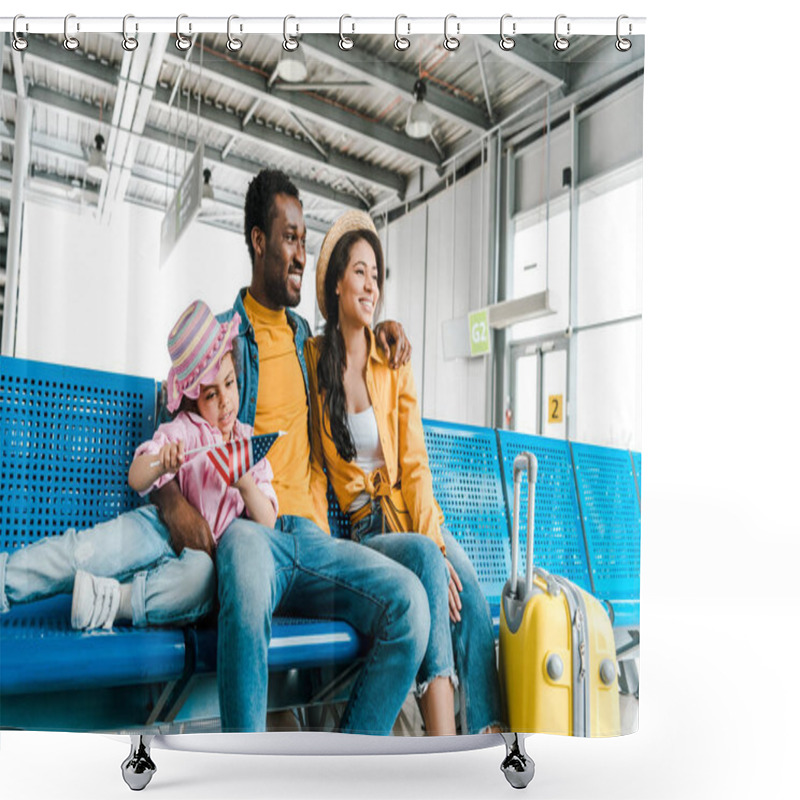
[[349, 221], [197, 343]]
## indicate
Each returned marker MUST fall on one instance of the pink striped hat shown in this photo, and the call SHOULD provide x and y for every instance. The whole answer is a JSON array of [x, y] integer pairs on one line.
[[197, 343]]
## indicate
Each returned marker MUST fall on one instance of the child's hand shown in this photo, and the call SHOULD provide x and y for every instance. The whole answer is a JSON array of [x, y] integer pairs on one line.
[[171, 457], [245, 482]]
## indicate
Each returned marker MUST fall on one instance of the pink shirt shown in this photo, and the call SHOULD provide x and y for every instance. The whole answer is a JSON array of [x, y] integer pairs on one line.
[[199, 481]]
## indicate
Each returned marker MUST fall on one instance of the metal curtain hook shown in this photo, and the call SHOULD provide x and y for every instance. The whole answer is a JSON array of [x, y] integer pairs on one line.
[[561, 43], [18, 42], [181, 41], [70, 42], [345, 42], [400, 42], [290, 44], [451, 42], [623, 45], [129, 43], [506, 42], [233, 44]]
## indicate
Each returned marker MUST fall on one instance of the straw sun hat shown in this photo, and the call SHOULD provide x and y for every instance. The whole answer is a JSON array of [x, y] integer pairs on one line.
[[349, 221], [197, 343]]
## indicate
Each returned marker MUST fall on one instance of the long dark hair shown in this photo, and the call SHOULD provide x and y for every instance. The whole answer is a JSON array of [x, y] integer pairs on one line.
[[332, 355]]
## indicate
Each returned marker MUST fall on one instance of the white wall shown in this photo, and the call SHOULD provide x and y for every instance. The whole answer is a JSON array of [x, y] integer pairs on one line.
[[404, 290], [439, 271], [94, 296]]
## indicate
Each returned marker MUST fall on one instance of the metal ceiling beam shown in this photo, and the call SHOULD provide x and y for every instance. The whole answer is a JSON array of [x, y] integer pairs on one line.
[[107, 75], [261, 134], [390, 78], [586, 74], [226, 71], [88, 111], [252, 168], [150, 175], [227, 199], [144, 71], [67, 182], [543, 62], [76, 63], [72, 105], [19, 72]]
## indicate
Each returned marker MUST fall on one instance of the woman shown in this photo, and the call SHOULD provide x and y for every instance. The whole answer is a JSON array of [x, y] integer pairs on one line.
[[367, 431]]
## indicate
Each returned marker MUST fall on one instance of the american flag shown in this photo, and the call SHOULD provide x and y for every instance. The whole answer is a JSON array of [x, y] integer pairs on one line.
[[234, 459]]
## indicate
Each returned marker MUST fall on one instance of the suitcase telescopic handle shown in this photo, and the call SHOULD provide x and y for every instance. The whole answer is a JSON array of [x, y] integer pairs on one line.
[[524, 462]]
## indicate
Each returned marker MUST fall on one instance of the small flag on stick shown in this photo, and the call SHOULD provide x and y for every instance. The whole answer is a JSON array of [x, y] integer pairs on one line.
[[236, 458]]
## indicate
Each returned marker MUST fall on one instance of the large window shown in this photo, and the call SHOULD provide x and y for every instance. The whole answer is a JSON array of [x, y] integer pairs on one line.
[[576, 372]]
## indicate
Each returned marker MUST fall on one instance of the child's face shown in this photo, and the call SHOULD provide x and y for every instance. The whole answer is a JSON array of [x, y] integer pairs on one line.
[[218, 402]]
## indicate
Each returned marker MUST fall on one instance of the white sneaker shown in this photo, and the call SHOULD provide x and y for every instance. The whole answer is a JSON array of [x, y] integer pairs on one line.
[[95, 601]]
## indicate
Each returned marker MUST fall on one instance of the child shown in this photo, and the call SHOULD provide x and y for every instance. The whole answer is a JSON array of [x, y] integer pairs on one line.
[[125, 569]]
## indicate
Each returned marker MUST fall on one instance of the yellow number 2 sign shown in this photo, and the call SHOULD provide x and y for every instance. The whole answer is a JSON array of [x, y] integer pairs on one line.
[[555, 408]]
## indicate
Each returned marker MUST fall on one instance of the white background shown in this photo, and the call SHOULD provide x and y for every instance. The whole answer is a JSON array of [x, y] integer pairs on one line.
[[720, 554]]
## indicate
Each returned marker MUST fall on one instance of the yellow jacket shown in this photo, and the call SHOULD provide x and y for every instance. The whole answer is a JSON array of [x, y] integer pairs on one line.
[[406, 477]]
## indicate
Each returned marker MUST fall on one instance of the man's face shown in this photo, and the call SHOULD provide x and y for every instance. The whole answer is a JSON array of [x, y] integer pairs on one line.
[[284, 255]]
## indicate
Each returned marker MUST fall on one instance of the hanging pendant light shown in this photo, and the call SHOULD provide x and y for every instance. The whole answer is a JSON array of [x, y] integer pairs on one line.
[[292, 66], [419, 123], [208, 189], [96, 167]]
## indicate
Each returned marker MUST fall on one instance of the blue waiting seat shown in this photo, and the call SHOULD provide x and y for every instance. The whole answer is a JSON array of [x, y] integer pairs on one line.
[[612, 526], [558, 544], [637, 474], [68, 437], [468, 484]]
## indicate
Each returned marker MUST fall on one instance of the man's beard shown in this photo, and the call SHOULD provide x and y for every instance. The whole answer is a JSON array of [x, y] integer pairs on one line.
[[278, 292]]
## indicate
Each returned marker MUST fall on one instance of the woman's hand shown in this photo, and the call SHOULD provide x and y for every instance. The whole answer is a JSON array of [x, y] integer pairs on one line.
[[392, 340], [454, 589], [171, 457]]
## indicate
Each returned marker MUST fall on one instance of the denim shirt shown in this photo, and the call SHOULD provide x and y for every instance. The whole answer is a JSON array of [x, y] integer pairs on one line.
[[247, 355]]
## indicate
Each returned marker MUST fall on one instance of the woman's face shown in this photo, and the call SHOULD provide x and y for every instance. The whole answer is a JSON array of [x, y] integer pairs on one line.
[[357, 289]]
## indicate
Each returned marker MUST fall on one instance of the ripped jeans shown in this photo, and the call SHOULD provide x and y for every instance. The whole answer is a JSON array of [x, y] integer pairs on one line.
[[166, 589], [462, 649]]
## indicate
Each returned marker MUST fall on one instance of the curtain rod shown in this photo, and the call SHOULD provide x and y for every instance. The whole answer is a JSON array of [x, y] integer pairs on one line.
[[453, 26]]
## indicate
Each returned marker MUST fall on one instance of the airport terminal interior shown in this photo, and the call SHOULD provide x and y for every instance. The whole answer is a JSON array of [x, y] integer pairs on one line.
[[506, 188]]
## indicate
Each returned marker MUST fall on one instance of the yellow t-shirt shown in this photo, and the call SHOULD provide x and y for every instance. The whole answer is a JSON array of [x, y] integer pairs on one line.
[[282, 405]]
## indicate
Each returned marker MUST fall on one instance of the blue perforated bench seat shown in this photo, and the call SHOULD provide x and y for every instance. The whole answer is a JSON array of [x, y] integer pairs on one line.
[[41, 653], [68, 436]]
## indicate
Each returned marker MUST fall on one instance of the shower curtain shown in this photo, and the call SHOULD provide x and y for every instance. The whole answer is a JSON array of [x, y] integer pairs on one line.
[[502, 174]]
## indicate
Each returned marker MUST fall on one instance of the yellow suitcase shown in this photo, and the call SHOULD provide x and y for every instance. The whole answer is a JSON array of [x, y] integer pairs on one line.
[[558, 666]]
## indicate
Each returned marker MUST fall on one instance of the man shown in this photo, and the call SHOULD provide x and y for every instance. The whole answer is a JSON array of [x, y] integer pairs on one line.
[[297, 568]]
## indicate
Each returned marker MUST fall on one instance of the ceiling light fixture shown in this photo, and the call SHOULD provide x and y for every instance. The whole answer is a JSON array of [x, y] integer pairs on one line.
[[208, 189], [292, 66], [96, 167], [419, 123]]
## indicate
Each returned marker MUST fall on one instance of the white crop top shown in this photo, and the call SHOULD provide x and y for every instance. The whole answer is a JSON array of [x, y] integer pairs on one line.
[[369, 454]]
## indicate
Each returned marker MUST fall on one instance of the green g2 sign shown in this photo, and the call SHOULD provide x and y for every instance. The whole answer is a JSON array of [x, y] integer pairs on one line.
[[479, 340]]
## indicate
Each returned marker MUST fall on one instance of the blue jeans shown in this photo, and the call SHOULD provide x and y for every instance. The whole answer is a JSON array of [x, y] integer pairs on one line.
[[296, 569], [422, 556], [468, 643], [166, 589]]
